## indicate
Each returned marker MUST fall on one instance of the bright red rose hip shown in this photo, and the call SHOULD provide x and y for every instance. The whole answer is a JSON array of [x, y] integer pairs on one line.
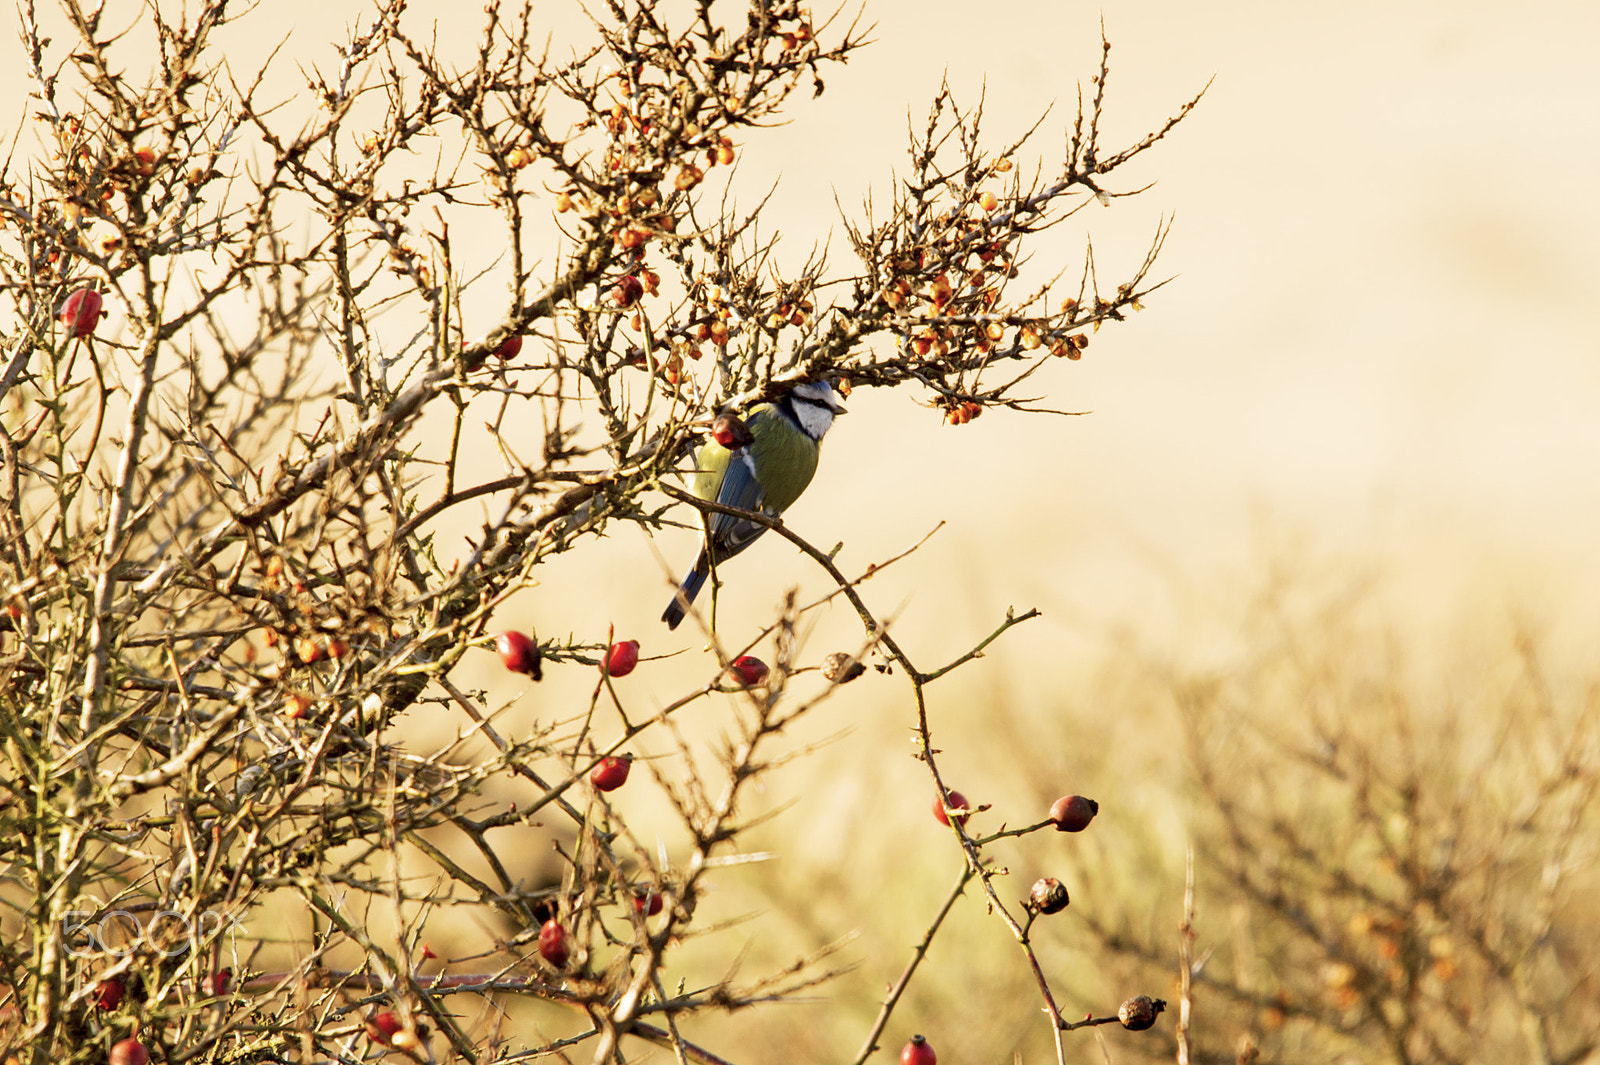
[[621, 658], [611, 773], [918, 1052], [553, 943], [519, 653], [748, 670]]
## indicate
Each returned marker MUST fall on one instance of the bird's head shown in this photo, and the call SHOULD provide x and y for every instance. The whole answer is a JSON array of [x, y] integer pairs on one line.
[[814, 405]]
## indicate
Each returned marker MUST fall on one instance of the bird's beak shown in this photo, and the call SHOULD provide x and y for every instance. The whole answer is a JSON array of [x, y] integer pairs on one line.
[[837, 407]]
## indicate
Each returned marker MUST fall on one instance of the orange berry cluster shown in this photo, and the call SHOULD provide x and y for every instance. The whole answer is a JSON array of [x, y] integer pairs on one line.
[[962, 413]]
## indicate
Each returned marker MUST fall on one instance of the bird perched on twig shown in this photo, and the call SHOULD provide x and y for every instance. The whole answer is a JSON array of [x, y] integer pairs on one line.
[[762, 463]]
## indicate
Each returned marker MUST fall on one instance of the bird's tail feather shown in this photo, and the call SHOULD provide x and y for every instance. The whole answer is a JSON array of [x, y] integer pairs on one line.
[[693, 581]]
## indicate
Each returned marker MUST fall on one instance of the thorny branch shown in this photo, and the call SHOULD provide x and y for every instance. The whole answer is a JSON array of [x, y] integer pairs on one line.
[[236, 332]]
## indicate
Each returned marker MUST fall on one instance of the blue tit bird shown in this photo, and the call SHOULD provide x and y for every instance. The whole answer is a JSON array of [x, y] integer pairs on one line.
[[767, 474]]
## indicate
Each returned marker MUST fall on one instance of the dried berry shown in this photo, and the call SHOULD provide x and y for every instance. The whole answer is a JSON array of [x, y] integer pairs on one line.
[[627, 290], [1140, 1012], [1049, 895], [841, 668]]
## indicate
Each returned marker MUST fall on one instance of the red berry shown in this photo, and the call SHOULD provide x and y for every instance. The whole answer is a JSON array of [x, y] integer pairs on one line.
[[621, 659], [381, 1027], [956, 801], [129, 1052], [730, 431], [748, 670], [1072, 813], [553, 943], [918, 1052], [647, 903], [611, 773], [108, 993], [217, 982], [81, 312], [509, 347], [626, 292], [519, 653]]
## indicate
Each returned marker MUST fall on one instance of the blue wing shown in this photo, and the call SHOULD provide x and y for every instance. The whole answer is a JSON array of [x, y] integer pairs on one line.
[[727, 535], [730, 535]]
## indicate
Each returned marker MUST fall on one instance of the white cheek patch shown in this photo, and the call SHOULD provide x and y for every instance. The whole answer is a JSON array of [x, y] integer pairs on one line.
[[813, 418]]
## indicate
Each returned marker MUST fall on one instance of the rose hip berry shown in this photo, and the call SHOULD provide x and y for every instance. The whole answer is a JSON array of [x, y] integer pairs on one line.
[[1049, 895], [553, 943], [841, 668], [381, 1027], [1140, 1012], [748, 670], [626, 292], [621, 658], [108, 993], [918, 1052], [955, 801], [730, 431], [1072, 813], [80, 313], [129, 1052], [519, 653], [611, 773]]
